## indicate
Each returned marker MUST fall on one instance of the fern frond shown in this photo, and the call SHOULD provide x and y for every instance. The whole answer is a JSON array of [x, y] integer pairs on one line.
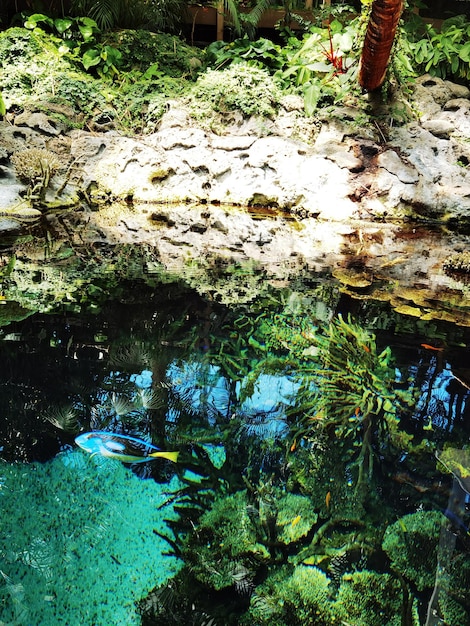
[[231, 8], [254, 16]]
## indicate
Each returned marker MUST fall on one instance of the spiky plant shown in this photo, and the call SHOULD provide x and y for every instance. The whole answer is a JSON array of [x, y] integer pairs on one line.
[[62, 417], [353, 395], [245, 23]]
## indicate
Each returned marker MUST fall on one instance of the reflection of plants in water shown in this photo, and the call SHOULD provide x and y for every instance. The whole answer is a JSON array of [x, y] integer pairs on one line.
[[346, 387], [81, 278], [62, 417], [350, 391]]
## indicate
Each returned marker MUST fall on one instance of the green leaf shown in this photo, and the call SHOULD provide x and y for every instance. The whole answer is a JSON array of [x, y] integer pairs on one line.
[[91, 58], [3, 108], [62, 24], [33, 20], [112, 55], [311, 96], [151, 72], [464, 53], [320, 66], [88, 28]]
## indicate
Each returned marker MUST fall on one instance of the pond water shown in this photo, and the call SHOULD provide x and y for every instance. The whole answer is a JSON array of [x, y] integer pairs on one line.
[[324, 460]]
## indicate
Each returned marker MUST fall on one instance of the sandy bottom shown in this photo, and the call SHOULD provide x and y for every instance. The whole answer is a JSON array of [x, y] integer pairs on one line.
[[77, 545]]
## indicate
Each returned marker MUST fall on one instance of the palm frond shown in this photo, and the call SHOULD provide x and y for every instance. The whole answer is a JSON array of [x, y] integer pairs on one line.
[[231, 8], [150, 400], [106, 12], [62, 417], [254, 16], [131, 357], [121, 404]]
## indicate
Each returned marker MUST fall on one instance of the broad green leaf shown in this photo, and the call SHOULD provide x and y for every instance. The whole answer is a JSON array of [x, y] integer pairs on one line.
[[464, 53], [311, 96], [90, 58], [151, 72], [35, 19], [320, 66], [63, 24]]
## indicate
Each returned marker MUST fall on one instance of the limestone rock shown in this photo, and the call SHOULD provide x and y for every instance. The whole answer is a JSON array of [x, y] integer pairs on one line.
[[37, 121], [390, 161]]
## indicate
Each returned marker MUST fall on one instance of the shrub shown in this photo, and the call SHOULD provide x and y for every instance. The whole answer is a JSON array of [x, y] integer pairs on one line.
[[242, 87]]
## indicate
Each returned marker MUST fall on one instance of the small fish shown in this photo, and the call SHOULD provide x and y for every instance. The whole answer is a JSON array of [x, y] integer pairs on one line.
[[294, 445], [296, 520], [327, 499], [122, 447], [357, 411], [426, 346]]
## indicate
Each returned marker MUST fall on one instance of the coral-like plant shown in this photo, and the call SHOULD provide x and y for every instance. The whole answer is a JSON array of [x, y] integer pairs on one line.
[[239, 534], [36, 167], [368, 598], [411, 543], [453, 595], [291, 597]]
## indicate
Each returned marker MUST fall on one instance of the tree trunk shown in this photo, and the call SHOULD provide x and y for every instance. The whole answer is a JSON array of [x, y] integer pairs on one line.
[[378, 42]]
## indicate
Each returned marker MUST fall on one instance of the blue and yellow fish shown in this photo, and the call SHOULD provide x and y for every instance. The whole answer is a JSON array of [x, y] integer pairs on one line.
[[122, 447]]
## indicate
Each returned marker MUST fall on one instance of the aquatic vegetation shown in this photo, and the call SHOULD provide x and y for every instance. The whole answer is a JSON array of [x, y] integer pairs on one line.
[[353, 396], [369, 598], [244, 531], [291, 597], [411, 543], [453, 592]]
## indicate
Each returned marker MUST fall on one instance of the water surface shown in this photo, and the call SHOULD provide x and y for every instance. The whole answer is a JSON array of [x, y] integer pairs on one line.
[[311, 419]]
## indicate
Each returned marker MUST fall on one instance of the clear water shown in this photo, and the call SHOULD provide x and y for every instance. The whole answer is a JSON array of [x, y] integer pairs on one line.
[[307, 490]]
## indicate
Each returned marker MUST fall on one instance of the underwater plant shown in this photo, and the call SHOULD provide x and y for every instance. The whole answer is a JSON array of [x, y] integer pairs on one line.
[[291, 597], [411, 544], [369, 598], [453, 597], [348, 389], [243, 532]]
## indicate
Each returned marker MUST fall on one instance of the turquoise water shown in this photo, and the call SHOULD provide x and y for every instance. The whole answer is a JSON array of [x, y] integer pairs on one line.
[[309, 427]]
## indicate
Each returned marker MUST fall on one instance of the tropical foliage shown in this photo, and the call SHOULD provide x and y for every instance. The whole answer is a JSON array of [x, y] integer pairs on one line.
[[443, 52], [157, 15]]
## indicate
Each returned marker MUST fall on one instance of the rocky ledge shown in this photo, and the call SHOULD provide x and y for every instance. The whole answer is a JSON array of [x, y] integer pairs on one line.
[[338, 166], [382, 206]]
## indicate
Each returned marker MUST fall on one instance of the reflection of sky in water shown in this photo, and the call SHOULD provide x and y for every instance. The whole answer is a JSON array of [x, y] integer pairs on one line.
[[263, 413], [142, 380], [443, 398]]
